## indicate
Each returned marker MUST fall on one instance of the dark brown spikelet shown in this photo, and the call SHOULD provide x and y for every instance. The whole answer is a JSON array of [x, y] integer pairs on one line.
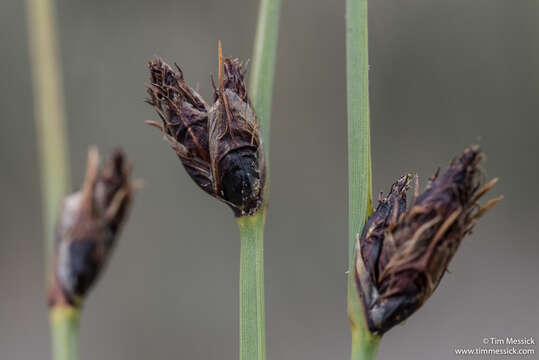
[[88, 227], [403, 253], [184, 116], [386, 214], [235, 143], [220, 146]]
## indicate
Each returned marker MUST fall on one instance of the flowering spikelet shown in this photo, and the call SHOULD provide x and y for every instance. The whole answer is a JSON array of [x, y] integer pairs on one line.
[[88, 227], [220, 146], [403, 253], [185, 120]]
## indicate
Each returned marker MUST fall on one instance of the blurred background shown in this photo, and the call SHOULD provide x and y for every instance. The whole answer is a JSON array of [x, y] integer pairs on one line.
[[444, 74]]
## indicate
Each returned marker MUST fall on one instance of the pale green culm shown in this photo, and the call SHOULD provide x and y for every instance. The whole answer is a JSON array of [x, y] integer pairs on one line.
[[364, 344], [252, 313], [53, 154]]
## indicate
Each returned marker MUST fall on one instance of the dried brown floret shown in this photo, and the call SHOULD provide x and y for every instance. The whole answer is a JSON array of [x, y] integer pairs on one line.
[[403, 254]]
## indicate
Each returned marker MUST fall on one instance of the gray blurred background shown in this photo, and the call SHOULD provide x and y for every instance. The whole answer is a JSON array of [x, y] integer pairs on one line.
[[443, 75]]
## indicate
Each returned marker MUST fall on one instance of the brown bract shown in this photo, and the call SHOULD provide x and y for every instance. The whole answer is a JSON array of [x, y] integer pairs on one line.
[[402, 253], [220, 146], [88, 227]]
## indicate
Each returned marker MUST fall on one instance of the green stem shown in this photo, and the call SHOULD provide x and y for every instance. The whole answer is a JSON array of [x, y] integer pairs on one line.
[[364, 347], [252, 317], [65, 329], [364, 344], [263, 65], [49, 113], [53, 152]]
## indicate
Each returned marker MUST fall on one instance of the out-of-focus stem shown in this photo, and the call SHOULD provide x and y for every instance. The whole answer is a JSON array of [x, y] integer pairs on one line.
[[364, 343], [53, 155], [49, 113], [65, 332], [364, 347]]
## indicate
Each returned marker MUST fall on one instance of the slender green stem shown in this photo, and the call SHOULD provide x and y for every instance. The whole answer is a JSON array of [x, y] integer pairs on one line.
[[252, 313], [364, 347], [52, 147], [65, 330], [364, 344], [263, 65], [49, 113], [252, 316]]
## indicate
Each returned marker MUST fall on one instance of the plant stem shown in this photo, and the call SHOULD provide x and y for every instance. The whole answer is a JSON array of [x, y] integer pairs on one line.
[[252, 317], [65, 330], [52, 147], [263, 65], [252, 313], [364, 347], [49, 114], [364, 343]]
